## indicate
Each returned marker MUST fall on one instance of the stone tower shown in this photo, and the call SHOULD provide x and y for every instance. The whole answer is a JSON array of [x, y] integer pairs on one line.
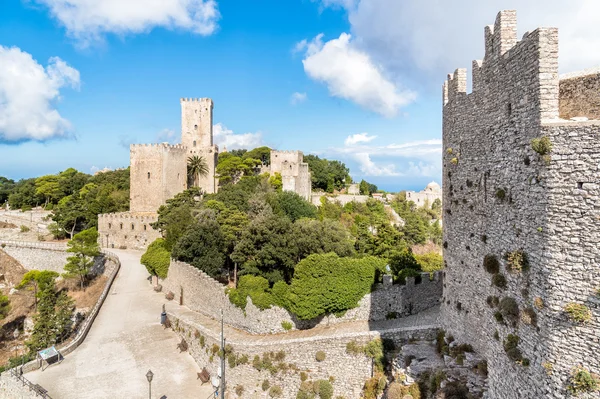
[[197, 136], [521, 223], [295, 175]]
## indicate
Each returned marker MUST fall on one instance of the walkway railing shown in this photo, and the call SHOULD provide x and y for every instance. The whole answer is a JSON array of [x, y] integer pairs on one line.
[[36, 388], [30, 244]]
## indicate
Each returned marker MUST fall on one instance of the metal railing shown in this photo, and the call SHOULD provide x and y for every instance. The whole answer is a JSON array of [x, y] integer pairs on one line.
[[31, 244], [36, 388]]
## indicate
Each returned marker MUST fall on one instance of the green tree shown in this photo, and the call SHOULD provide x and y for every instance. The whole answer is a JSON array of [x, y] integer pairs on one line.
[[196, 167], [327, 175], [176, 216], [232, 169], [403, 264], [290, 204], [85, 248], [364, 188], [276, 181], [48, 187], [263, 154], [38, 280], [157, 258], [320, 237]]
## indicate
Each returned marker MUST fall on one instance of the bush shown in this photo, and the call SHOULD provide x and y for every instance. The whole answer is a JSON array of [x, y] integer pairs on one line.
[[320, 356], [455, 390], [499, 280], [287, 326], [516, 261], [374, 350], [541, 145], [430, 262], [24, 229], [403, 260], [325, 284], [510, 347], [528, 316], [491, 264], [303, 376], [509, 309], [4, 306], [275, 391], [354, 348], [239, 390], [493, 301], [255, 287], [157, 258], [578, 312], [265, 384], [501, 194], [400, 391], [583, 381], [324, 389]]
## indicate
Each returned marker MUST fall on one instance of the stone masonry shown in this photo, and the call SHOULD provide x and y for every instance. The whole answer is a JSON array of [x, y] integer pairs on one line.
[[200, 293], [425, 197], [295, 174], [501, 196]]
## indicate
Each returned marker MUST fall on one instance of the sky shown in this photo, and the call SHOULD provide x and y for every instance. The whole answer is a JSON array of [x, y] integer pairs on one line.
[[353, 80]]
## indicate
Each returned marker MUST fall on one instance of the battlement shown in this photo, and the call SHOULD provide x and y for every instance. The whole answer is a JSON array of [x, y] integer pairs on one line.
[[127, 216], [163, 146], [293, 152], [198, 100]]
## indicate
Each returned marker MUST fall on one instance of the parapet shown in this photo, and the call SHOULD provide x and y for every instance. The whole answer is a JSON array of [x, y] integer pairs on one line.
[[162, 146], [128, 216], [502, 36], [204, 100]]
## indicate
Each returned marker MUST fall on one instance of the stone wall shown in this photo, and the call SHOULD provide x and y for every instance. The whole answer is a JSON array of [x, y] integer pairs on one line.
[[127, 230], [580, 94], [343, 199], [348, 371], [11, 388], [500, 196], [205, 295], [295, 174], [35, 258]]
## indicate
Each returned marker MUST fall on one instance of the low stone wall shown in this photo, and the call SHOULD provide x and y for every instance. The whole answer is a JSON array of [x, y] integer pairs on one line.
[[11, 388], [580, 94], [33, 258], [341, 198], [205, 295], [348, 372]]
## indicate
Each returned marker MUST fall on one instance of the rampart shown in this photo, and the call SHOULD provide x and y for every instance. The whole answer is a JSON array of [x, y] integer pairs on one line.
[[580, 94], [127, 230], [207, 296], [503, 197]]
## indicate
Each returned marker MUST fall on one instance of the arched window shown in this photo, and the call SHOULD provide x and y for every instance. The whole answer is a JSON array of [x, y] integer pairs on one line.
[[144, 227], [132, 226], [121, 226], [148, 175], [110, 225]]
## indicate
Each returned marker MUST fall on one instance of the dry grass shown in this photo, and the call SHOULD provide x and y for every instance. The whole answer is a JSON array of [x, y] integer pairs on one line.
[[89, 297], [5, 225], [423, 249]]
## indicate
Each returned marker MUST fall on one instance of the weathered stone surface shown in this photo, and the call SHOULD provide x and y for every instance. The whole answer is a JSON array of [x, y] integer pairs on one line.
[[501, 196]]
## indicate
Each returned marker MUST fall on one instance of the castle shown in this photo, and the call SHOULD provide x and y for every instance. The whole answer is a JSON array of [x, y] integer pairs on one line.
[[521, 212], [425, 197], [295, 175], [158, 172]]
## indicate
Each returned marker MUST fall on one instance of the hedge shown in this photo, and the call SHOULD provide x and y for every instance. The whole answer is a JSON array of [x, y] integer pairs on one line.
[[157, 258]]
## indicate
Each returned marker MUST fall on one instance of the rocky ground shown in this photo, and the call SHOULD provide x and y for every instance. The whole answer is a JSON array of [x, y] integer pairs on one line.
[[25, 226]]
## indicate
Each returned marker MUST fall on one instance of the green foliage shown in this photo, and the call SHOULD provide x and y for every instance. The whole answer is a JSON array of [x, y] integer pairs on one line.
[[509, 309], [511, 348], [255, 287], [578, 313], [320, 356], [275, 391], [4, 306], [265, 385], [84, 246], [499, 280], [196, 167], [324, 389], [493, 301], [276, 181], [157, 258], [418, 227], [374, 349], [287, 326], [325, 284], [430, 262], [231, 169], [583, 381], [327, 175], [491, 264], [319, 237], [404, 264], [24, 229], [201, 245], [541, 145], [175, 217], [501, 194], [516, 261], [263, 154], [290, 204]]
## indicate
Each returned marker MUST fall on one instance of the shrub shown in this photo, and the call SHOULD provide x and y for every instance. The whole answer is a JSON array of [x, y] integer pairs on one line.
[[265, 384], [510, 347], [324, 389], [455, 390], [157, 258], [516, 261], [303, 376], [374, 350], [320, 356], [287, 326], [275, 391], [280, 293], [354, 348], [541, 145], [500, 194], [441, 346], [499, 280], [548, 367], [498, 317], [496, 335], [482, 368], [239, 390], [583, 381], [400, 391], [528, 316], [493, 301], [4, 306], [325, 284], [430, 262], [255, 287], [509, 309], [538, 303], [24, 229], [491, 264], [454, 161], [578, 312]]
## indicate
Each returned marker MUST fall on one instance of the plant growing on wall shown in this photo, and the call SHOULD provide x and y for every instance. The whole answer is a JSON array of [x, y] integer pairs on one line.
[[516, 261], [499, 280], [509, 309], [541, 145], [510, 347], [583, 381], [577, 312], [491, 264]]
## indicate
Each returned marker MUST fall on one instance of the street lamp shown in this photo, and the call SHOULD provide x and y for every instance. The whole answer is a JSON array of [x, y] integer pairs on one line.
[[149, 376]]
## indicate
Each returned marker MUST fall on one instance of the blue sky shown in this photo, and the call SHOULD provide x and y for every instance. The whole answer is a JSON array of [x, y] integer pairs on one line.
[[354, 80]]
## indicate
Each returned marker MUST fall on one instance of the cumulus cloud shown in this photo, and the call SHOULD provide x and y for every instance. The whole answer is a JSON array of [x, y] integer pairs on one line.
[[28, 92], [358, 138], [350, 73], [415, 158], [298, 98], [167, 136], [411, 37], [88, 20], [225, 137]]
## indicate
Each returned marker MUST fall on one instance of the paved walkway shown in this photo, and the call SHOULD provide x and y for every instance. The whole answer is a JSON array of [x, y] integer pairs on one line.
[[125, 341]]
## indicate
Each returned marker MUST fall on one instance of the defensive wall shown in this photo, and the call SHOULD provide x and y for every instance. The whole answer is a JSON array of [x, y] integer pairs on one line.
[[291, 358], [343, 199], [295, 174], [502, 197], [580, 94], [127, 230], [203, 294]]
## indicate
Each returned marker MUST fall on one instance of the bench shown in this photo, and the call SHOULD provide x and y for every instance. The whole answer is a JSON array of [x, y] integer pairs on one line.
[[204, 376], [182, 346]]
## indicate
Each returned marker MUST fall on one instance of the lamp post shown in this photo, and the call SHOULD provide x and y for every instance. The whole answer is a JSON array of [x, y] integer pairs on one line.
[[149, 376]]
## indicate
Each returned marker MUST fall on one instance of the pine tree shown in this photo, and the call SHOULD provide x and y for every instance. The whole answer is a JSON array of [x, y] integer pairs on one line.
[[85, 247]]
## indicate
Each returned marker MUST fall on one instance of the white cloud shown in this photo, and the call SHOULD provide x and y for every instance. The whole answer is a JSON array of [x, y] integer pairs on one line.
[[167, 136], [27, 93], [88, 20], [358, 138], [350, 73], [368, 167], [224, 137], [411, 37], [298, 98]]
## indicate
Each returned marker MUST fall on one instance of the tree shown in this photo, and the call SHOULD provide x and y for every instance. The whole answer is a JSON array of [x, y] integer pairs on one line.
[[4, 306], [176, 216], [327, 175], [436, 207], [85, 247], [320, 237], [403, 264], [364, 188], [196, 167], [232, 169], [38, 280], [276, 181], [157, 258], [263, 154], [290, 204]]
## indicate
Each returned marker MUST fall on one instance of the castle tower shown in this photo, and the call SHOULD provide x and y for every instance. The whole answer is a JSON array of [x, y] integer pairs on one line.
[[197, 136], [521, 220]]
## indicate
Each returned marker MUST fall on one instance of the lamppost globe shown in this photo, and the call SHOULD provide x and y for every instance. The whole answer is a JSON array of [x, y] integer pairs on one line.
[[149, 375]]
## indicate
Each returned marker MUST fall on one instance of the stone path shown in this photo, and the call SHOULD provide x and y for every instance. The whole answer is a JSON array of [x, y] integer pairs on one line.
[[125, 341]]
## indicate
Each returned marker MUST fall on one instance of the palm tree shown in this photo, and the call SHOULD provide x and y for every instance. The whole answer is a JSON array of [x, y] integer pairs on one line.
[[196, 166]]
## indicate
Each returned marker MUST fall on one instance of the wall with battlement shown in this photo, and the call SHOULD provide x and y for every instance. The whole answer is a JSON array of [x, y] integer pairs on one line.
[[580, 94], [127, 230], [295, 174], [205, 295], [501, 196], [158, 173]]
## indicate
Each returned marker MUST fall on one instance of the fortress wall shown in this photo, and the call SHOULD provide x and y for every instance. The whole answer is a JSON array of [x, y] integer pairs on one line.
[[279, 157], [343, 199], [205, 295], [500, 196], [349, 371], [580, 95], [127, 230]]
